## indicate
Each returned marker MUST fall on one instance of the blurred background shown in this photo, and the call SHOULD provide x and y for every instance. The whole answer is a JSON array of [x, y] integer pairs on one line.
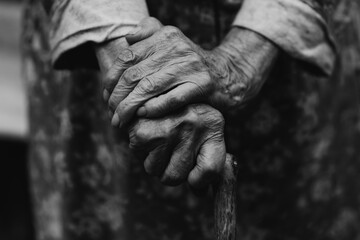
[[15, 213], [326, 145]]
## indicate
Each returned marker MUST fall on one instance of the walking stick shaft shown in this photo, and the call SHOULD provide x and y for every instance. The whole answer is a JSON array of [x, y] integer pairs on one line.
[[225, 202]]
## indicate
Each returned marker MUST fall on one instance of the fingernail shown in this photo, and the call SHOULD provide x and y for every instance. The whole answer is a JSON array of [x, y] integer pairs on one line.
[[115, 120], [141, 112], [106, 95], [134, 31]]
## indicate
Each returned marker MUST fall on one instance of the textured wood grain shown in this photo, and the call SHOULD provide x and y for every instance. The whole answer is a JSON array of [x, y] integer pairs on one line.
[[225, 202]]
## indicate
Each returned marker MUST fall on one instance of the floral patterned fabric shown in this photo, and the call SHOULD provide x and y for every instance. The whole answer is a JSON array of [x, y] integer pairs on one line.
[[297, 145]]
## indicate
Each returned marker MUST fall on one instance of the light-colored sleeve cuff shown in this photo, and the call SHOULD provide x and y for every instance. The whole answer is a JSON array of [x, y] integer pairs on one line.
[[292, 25], [77, 23]]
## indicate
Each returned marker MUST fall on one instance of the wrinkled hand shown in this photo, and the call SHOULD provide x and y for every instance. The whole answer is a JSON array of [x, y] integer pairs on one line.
[[188, 145], [163, 70]]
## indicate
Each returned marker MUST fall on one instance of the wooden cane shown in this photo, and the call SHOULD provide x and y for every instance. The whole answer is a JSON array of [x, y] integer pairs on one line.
[[225, 201]]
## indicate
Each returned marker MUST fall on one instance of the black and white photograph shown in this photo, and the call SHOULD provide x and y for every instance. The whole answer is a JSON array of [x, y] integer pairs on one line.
[[180, 119]]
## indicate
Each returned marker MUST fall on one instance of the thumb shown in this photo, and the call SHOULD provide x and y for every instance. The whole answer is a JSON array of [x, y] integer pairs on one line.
[[145, 29], [209, 164]]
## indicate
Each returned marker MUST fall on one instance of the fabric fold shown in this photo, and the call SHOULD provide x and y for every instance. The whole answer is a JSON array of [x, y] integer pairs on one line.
[[76, 24], [294, 26]]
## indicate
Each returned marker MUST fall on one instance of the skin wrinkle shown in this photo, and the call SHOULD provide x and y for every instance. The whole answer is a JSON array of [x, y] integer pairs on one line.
[[241, 86], [243, 61], [187, 132], [245, 82], [245, 70], [183, 144], [219, 77], [174, 74], [197, 139], [200, 89], [154, 66], [153, 69], [157, 134], [213, 121], [204, 173], [189, 64]]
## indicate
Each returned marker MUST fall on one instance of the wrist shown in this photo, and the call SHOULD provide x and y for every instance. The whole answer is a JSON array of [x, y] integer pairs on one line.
[[107, 52], [243, 62]]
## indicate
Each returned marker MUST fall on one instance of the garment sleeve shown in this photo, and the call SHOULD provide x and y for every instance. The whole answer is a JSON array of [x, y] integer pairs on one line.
[[296, 26], [77, 24]]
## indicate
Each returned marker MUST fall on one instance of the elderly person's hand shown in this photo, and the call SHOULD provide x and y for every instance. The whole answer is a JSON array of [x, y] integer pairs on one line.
[[188, 145], [163, 70]]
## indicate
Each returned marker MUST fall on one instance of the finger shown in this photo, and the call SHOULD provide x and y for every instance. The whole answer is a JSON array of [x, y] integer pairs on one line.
[[180, 165], [159, 42], [145, 29], [176, 98], [154, 136], [147, 134], [132, 75], [149, 87], [130, 78], [125, 60], [157, 160], [129, 57], [209, 164]]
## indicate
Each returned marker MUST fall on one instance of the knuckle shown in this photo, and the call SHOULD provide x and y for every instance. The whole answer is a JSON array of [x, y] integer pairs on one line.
[[204, 83], [208, 114], [126, 56], [217, 115], [195, 62], [205, 76], [132, 75], [183, 46], [195, 58], [218, 118], [192, 117], [171, 32], [147, 85], [138, 135]]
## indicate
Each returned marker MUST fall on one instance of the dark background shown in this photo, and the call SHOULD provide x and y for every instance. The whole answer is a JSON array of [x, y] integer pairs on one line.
[[329, 127], [15, 205]]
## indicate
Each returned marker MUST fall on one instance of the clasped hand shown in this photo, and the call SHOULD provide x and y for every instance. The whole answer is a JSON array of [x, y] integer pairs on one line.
[[154, 89]]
